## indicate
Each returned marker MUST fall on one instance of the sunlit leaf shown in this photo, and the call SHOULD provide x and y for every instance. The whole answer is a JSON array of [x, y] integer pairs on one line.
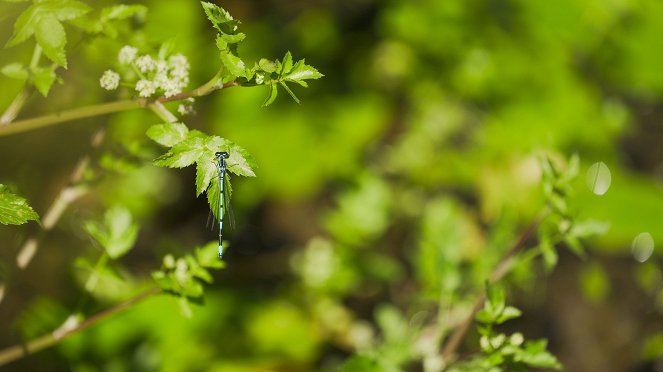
[[14, 210], [168, 134]]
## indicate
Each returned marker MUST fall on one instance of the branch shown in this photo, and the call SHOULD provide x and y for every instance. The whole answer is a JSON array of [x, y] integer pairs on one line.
[[103, 109], [67, 195], [16, 352], [502, 268], [12, 111]]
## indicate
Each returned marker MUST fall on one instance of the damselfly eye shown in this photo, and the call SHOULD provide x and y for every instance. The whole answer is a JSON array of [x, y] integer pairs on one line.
[[222, 154]]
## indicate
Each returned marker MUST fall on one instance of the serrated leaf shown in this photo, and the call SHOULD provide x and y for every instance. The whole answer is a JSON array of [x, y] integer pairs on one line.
[[232, 39], [15, 71], [30, 19], [183, 153], [24, 27], [50, 35], [14, 210], [286, 64], [233, 64], [240, 161], [273, 92], [214, 197], [168, 134], [205, 171], [302, 71], [43, 79], [220, 18], [267, 65]]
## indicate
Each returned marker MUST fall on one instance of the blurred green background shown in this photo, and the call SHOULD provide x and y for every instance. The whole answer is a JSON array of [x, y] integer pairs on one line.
[[381, 203]]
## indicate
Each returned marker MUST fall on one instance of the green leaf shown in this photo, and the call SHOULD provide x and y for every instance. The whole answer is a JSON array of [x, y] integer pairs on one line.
[[509, 313], [15, 71], [233, 64], [117, 234], [205, 170], [267, 65], [273, 92], [496, 299], [14, 210], [213, 197], [232, 39], [31, 19], [51, 37], [301, 71], [575, 246], [588, 228], [220, 18], [43, 79], [122, 11], [549, 253], [183, 153], [208, 256], [286, 64], [535, 355], [240, 161], [168, 134]]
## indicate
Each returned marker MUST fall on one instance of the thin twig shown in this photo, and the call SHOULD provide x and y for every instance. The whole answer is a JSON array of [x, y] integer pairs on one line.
[[16, 105], [502, 268], [103, 109], [16, 352]]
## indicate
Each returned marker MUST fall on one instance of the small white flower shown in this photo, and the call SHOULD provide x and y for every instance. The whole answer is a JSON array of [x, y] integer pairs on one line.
[[127, 54], [179, 67], [145, 64], [260, 78], [171, 88], [109, 80], [184, 109], [145, 88], [161, 65]]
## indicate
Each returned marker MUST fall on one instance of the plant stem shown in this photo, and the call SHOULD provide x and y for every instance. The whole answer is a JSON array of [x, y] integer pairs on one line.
[[26, 91], [16, 352], [162, 112], [106, 108], [74, 114], [15, 106], [502, 268]]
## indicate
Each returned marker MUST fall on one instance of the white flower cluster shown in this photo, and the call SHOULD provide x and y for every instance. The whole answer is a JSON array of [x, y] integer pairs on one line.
[[168, 77], [109, 80]]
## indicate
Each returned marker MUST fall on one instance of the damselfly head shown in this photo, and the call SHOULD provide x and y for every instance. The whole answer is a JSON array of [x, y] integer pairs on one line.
[[222, 154]]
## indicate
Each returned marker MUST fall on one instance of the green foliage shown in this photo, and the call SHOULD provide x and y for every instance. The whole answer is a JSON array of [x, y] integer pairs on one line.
[[382, 205], [184, 277], [500, 351], [116, 233], [264, 72], [43, 20], [15, 210], [195, 147]]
